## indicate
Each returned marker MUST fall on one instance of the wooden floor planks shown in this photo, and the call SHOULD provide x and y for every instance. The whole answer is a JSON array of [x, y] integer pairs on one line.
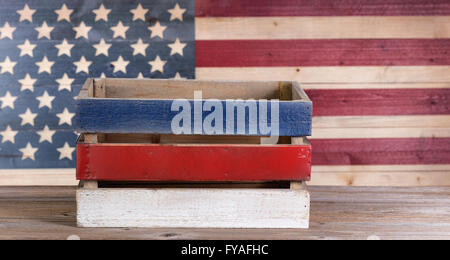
[[336, 213]]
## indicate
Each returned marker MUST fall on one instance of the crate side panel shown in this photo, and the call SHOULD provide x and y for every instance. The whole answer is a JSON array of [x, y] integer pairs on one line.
[[154, 162], [196, 208], [156, 116]]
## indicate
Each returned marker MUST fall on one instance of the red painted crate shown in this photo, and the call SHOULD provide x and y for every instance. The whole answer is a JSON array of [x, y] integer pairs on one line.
[[195, 158]]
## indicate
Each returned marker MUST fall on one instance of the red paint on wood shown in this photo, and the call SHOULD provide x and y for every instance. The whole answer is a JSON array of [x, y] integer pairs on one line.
[[152, 162], [339, 52], [236, 8], [348, 102], [382, 151]]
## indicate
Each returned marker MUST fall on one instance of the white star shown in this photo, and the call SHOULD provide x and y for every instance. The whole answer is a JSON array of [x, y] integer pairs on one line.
[[7, 65], [139, 47], [101, 48], [64, 13], [101, 13], [176, 13], [139, 13], [44, 30], [45, 100], [27, 83], [7, 31], [45, 65], [157, 30], [177, 47], [28, 117], [8, 135], [8, 100], [157, 64], [65, 151], [26, 14], [64, 48], [82, 30], [65, 83], [178, 76], [120, 30], [82, 65], [28, 152], [46, 135], [120, 65], [26, 48], [65, 117]]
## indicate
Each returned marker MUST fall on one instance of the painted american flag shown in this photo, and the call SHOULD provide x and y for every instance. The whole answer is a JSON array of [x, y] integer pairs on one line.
[[49, 47], [377, 71]]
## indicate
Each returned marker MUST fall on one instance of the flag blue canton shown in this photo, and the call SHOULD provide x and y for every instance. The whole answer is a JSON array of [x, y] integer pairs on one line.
[[48, 48]]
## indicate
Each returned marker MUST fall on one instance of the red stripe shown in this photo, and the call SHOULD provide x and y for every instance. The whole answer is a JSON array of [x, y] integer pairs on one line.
[[348, 102], [230, 8], [381, 151], [266, 53], [150, 162]]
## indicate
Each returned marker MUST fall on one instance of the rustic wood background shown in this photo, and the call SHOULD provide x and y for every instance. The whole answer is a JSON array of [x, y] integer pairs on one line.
[[377, 71]]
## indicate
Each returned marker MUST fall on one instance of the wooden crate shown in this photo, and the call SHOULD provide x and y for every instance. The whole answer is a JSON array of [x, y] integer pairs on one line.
[[137, 157], [144, 106], [187, 207], [229, 181]]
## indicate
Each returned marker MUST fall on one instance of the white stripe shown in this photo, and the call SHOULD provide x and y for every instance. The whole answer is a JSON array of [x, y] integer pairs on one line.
[[342, 27], [323, 75]]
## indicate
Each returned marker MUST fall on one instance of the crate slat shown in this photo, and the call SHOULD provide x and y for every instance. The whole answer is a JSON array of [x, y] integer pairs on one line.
[[193, 208], [136, 106], [192, 162]]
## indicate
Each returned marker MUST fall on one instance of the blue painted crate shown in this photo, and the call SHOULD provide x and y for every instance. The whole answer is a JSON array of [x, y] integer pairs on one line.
[[193, 107]]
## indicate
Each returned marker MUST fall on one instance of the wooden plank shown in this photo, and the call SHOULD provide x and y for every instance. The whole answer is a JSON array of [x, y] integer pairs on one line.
[[337, 213], [412, 121], [327, 75], [242, 8], [411, 85], [339, 102], [155, 116], [38, 177], [150, 162], [381, 178], [381, 151], [184, 89], [324, 52], [383, 175], [378, 132], [196, 208], [346, 27]]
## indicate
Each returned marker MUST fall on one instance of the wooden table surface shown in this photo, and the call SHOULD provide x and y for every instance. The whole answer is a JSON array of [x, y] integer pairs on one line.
[[336, 213]]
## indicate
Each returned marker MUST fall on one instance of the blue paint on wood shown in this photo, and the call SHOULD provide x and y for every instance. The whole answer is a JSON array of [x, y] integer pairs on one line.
[[155, 116]]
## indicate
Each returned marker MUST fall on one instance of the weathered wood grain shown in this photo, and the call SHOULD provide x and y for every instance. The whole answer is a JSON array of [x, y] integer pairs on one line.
[[386, 102], [336, 213], [337, 52], [193, 208], [344, 27], [192, 162], [145, 106], [333, 74], [155, 116], [340, 175], [240, 8], [381, 151]]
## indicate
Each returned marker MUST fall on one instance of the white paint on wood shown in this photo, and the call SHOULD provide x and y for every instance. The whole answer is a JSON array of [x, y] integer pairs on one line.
[[342, 27], [414, 121], [332, 74], [194, 208], [363, 132]]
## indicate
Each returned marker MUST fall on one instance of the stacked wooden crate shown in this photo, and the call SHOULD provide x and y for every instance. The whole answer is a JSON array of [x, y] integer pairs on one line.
[[134, 172]]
